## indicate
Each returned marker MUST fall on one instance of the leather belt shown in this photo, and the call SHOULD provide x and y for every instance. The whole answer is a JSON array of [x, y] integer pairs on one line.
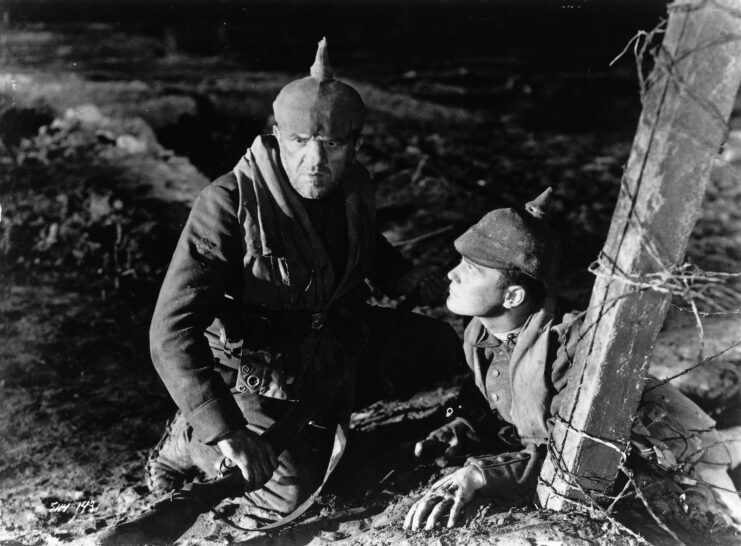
[[297, 318]]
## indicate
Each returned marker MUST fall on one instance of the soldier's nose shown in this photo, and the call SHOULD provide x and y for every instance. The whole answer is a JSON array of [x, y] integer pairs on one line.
[[315, 152]]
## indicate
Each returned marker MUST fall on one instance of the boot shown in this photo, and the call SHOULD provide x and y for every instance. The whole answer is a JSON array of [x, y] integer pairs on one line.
[[169, 518], [169, 465]]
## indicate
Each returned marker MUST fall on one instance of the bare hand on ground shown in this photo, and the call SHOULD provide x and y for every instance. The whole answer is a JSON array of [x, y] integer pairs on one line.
[[447, 497], [253, 455], [430, 281], [447, 441]]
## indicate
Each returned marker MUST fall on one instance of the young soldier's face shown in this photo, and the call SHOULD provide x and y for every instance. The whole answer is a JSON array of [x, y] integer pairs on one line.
[[315, 165], [476, 291]]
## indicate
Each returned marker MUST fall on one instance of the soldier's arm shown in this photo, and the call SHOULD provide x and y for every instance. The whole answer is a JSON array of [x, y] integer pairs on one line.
[[388, 266], [398, 277], [507, 472], [566, 337], [467, 417], [206, 259]]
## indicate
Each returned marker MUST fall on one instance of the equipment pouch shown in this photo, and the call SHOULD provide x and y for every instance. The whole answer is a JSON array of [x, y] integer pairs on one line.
[[258, 374]]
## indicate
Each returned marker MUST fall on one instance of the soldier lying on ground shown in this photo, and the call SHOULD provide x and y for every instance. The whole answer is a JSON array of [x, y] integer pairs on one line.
[[265, 298], [519, 348]]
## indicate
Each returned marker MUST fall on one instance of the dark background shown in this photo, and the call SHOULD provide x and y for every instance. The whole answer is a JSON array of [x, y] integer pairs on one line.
[[388, 35]]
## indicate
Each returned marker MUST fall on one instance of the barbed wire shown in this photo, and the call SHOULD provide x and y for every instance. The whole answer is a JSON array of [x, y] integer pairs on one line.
[[705, 293], [589, 501]]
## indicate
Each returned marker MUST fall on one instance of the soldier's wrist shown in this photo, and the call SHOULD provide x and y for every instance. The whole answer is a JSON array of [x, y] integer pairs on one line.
[[478, 477], [477, 472], [233, 436]]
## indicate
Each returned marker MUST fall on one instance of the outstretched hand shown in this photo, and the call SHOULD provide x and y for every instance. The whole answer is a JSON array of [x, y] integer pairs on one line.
[[447, 497], [428, 279], [448, 441], [253, 455]]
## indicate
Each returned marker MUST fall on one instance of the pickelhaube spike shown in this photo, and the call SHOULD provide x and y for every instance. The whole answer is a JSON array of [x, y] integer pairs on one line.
[[319, 104], [538, 207], [515, 238], [321, 70]]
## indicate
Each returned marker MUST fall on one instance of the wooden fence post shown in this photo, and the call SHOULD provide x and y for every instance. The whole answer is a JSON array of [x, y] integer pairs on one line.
[[686, 105]]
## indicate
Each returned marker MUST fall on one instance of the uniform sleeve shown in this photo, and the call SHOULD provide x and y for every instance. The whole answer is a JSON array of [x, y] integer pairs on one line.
[[470, 405], [388, 266], [567, 336], [202, 266], [506, 473]]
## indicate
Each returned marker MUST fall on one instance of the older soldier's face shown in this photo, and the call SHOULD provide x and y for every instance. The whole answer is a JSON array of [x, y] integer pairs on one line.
[[315, 165]]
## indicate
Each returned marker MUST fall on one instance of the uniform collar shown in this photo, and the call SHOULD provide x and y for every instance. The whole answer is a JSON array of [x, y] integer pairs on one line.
[[486, 339]]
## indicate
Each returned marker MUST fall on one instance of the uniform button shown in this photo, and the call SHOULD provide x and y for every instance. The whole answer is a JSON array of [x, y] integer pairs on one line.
[[495, 372], [495, 397]]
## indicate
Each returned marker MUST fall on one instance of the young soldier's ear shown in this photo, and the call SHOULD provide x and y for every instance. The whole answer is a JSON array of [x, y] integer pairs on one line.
[[358, 143], [514, 296]]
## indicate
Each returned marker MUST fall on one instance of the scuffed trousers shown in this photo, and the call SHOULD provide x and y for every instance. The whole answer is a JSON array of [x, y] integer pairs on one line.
[[420, 351], [681, 437]]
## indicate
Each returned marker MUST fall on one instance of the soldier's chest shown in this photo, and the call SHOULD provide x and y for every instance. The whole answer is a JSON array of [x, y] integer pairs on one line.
[[494, 382]]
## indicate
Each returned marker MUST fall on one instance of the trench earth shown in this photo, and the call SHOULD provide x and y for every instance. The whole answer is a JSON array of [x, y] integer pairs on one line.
[[98, 167]]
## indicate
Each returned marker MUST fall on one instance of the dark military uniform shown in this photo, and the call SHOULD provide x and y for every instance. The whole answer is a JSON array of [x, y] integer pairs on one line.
[[514, 395], [667, 424], [265, 298], [520, 379]]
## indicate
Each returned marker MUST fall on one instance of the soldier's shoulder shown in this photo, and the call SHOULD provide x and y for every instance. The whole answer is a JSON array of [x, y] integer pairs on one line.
[[219, 197], [567, 324], [226, 182], [224, 188]]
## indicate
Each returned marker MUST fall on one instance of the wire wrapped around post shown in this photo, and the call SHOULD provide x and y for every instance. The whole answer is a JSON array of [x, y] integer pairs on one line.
[[687, 100]]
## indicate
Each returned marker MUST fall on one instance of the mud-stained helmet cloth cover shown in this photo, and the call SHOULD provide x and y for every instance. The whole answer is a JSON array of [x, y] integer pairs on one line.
[[319, 105], [515, 238]]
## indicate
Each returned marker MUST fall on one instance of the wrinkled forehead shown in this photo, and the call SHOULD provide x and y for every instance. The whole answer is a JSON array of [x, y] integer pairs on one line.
[[287, 134], [316, 120], [328, 110]]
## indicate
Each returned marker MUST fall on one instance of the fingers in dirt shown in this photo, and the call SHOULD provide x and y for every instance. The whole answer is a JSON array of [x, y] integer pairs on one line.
[[424, 508], [455, 511], [410, 515], [438, 512]]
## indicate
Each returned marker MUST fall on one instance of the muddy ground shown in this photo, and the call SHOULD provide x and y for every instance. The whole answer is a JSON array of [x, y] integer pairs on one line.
[[99, 163]]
